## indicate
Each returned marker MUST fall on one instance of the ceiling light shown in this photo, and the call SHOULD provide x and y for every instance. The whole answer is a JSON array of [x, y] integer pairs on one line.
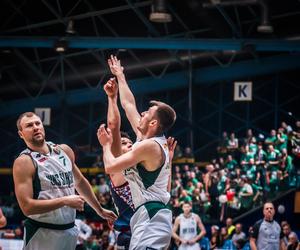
[[159, 13], [61, 46], [70, 27]]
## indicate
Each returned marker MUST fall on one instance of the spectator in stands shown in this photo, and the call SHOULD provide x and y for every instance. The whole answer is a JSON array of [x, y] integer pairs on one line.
[[239, 234], [293, 242], [286, 230], [103, 187], [85, 231], [178, 152], [232, 143], [223, 235], [230, 228], [215, 237], [282, 140], [245, 194], [266, 233], [287, 128], [222, 148], [271, 140], [286, 171], [184, 197], [98, 162], [231, 163], [249, 136], [95, 186], [3, 221], [188, 153]]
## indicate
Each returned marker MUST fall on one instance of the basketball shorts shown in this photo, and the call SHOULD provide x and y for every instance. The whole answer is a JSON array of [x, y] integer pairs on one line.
[[151, 227], [37, 236]]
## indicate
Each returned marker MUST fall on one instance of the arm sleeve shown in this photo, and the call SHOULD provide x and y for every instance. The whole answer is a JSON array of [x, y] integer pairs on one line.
[[255, 230]]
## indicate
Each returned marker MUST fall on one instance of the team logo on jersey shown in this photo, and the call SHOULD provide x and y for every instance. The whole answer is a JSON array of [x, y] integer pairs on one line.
[[61, 179], [56, 150]]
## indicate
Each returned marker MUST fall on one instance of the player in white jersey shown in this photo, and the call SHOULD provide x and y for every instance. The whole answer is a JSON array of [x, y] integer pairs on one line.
[[149, 171], [188, 224], [45, 178]]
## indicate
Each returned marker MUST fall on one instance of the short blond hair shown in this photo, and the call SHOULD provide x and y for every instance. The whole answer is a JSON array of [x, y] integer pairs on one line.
[[26, 114]]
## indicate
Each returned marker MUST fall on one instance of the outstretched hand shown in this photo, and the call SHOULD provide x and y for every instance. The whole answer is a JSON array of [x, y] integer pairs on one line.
[[115, 65], [111, 87], [171, 145], [110, 216], [104, 136]]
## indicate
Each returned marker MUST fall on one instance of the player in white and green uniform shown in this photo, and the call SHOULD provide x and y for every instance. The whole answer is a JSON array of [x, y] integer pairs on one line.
[[150, 197], [45, 178], [148, 174], [188, 224], [53, 179]]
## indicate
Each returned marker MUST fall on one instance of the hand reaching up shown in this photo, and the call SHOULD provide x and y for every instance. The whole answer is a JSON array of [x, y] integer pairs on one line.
[[115, 65], [111, 88]]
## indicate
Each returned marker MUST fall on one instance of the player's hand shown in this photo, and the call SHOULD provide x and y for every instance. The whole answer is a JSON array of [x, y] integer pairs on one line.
[[191, 242], [111, 87], [110, 216], [74, 201], [115, 65], [171, 145], [183, 241], [104, 136]]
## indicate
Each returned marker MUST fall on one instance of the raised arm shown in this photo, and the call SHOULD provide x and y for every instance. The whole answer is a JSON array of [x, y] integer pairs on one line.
[[126, 96], [84, 188], [113, 115], [23, 174]]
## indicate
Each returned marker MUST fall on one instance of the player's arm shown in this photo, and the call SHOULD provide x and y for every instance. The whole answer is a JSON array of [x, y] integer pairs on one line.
[[113, 115], [171, 146], [253, 243], [202, 230], [3, 221], [126, 96], [84, 188], [175, 229], [141, 153], [23, 174]]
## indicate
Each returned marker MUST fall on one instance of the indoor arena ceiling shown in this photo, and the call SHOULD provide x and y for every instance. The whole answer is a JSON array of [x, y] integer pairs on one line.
[[204, 35]]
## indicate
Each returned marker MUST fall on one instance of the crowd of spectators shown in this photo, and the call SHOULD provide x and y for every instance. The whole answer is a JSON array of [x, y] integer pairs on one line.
[[245, 172]]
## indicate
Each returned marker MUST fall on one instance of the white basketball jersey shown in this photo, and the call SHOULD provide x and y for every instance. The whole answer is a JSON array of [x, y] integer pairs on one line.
[[53, 179], [150, 185], [187, 227]]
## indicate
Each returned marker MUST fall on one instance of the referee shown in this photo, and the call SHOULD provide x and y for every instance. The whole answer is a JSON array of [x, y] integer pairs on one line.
[[266, 233]]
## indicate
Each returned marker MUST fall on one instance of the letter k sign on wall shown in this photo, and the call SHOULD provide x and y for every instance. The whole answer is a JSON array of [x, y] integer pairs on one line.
[[243, 91]]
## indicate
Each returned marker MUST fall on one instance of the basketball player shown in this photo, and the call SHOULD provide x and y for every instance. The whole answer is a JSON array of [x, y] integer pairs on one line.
[[45, 177], [119, 187], [188, 224]]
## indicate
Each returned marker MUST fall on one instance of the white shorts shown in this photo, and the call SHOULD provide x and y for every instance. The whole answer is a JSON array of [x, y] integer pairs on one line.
[[49, 239], [151, 227], [195, 246]]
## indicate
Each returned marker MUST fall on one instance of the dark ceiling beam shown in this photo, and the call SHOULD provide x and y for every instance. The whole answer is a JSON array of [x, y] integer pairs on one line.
[[171, 81], [152, 43], [78, 17]]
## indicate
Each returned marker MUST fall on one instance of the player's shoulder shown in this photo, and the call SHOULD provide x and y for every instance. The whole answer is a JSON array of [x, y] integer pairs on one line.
[[23, 159]]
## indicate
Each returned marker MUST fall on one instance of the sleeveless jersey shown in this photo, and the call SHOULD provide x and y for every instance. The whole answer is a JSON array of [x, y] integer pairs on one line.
[[146, 185], [53, 178], [187, 227], [122, 198]]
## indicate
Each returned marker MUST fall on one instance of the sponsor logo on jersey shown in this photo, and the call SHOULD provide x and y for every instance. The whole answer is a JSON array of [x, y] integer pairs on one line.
[[61, 179]]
